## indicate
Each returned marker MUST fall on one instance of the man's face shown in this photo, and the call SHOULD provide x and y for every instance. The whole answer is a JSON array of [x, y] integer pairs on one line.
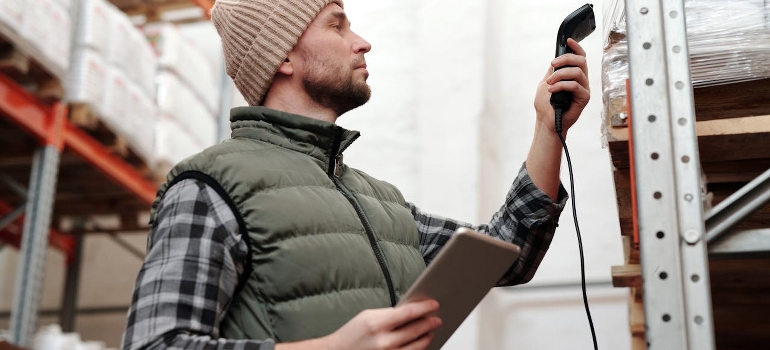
[[332, 65]]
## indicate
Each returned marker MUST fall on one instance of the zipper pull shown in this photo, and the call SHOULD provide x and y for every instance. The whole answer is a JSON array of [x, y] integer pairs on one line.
[[338, 166]]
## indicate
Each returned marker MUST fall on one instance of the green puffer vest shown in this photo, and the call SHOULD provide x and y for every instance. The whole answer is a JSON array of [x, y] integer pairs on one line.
[[326, 241]]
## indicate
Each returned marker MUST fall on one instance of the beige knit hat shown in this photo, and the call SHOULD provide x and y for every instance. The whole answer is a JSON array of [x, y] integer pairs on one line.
[[257, 35]]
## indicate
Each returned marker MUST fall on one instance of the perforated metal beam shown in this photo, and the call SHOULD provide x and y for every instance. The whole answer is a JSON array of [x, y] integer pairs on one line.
[[677, 298], [29, 274]]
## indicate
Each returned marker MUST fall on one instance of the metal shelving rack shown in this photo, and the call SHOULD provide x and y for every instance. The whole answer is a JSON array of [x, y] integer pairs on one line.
[[118, 187], [676, 237], [54, 133]]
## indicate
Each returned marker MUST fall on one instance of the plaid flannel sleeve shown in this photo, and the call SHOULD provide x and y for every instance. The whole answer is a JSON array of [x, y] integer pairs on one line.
[[528, 218], [194, 257]]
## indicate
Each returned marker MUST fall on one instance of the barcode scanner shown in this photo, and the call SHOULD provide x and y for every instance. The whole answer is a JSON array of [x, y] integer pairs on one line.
[[578, 25]]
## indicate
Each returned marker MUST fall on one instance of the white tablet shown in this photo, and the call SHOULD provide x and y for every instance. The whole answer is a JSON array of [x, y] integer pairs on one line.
[[463, 272]]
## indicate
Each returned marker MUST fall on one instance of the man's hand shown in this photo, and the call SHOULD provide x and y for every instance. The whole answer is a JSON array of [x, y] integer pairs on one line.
[[544, 157], [573, 78], [405, 327]]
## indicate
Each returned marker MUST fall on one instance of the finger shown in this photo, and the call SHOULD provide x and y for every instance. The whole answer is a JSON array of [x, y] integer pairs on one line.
[[419, 344], [409, 312], [577, 90], [414, 330], [569, 73], [576, 48], [570, 60]]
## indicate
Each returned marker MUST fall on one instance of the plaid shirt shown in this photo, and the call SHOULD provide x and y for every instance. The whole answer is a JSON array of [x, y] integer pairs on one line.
[[196, 256]]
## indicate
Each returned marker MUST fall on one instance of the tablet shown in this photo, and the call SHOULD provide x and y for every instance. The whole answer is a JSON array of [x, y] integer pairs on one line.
[[462, 273]]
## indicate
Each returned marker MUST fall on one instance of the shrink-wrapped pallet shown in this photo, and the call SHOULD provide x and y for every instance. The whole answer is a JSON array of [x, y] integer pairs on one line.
[[173, 143], [119, 50], [58, 47], [141, 122], [65, 4], [93, 25], [51, 337], [47, 26], [115, 109], [12, 14], [728, 42], [145, 63], [129, 113], [177, 101], [187, 61], [87, 78]]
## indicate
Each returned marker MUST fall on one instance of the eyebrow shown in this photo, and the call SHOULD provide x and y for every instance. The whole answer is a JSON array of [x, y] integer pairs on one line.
[[340, 16]]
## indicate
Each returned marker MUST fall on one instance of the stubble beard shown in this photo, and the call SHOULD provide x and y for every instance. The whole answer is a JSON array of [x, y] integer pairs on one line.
[[329, 86]]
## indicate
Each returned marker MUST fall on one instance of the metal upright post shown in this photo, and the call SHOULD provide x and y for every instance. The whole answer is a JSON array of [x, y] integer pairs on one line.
[[29, 274], [677, 298], [69, 308]]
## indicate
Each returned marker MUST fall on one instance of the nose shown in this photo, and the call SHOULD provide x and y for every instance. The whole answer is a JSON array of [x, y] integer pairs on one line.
[[360, 45]]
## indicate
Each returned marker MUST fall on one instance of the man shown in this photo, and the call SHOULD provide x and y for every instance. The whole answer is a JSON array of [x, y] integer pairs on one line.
[[269, 241]]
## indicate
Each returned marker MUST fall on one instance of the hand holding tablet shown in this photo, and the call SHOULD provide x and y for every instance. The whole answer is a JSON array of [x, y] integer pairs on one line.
[[460, 276]]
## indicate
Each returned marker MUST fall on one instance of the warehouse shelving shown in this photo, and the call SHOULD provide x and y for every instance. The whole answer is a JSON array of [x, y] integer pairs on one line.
[[73, 176], [699, 277]]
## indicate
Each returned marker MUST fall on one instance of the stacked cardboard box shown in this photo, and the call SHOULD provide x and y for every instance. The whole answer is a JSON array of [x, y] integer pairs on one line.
[[44, 25], [188, 96], [113, 72]]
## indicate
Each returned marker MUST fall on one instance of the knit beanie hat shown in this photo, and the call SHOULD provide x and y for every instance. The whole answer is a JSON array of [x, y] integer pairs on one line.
[[257, 36]]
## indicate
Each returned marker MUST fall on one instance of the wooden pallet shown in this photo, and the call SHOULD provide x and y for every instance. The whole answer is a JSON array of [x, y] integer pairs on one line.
[[154, 10], [21, 65], [733, 127], [85, 116]]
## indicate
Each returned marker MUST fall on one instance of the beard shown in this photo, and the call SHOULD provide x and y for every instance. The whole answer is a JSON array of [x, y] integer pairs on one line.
[[333, 87]]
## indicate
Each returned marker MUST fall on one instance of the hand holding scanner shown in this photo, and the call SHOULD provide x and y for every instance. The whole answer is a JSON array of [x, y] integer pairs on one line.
[[578, 25]]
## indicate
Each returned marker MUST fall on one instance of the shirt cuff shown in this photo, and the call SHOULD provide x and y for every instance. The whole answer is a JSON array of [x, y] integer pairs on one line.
[[531, 205]]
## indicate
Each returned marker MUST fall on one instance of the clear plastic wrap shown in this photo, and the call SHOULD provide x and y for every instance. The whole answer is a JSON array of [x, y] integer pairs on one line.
[[728, 41], [182, 57], [87, 78], [177, 101], [12, 14], [48, 27], [93, 25]]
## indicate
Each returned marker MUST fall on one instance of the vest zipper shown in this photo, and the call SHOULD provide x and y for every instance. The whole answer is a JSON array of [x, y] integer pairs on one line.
[[333, 175]]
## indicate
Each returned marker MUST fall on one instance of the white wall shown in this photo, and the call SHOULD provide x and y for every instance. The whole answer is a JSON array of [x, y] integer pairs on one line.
[[466, 74]]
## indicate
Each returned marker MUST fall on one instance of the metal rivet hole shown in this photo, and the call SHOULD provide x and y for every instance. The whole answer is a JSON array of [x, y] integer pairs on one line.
[[673, 14], [663, 275], [649, 82], [654, 156], [698, 320], [679, 85], [685, 159], [660, 234], [647, 46], [657, 195], [682, 121], [652, 118], [666, 317], [644, 10], [695, 278], [676, 49]]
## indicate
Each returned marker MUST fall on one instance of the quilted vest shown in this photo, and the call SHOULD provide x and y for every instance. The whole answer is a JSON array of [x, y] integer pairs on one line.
[[325, 241]]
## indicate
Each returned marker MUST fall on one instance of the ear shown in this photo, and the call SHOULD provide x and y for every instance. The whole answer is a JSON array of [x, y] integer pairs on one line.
[[286, 68]]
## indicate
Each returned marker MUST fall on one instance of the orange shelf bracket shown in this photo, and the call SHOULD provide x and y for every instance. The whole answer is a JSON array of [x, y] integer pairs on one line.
[[49, 125]]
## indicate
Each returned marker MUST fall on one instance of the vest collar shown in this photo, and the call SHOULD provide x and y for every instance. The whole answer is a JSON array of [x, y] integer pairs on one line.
[[319, 139]]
